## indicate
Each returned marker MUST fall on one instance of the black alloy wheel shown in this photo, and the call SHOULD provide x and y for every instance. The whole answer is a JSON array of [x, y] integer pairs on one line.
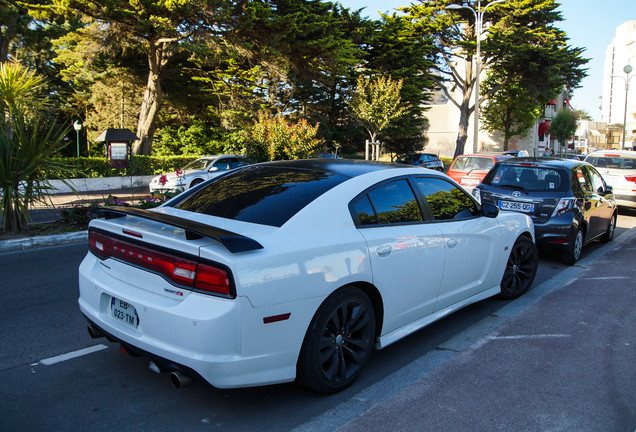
[[196, 182], [338, 342], [520, 269]]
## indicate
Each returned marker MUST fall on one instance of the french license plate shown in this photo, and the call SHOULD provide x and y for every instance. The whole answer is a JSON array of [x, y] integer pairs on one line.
[[124, 312], [516, 206], [470, 182]]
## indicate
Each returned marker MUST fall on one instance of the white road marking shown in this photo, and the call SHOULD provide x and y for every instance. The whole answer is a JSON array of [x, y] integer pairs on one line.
[[605, 278], [68, 356], [540, 336]]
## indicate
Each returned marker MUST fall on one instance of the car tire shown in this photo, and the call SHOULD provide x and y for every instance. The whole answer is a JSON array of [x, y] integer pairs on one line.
[[521, 269], [338, 342], [609, 234], [196, 182], [572, 255]]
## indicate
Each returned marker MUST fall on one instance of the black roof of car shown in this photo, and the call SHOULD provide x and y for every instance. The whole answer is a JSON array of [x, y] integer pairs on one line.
[[344, 167], [543, 161]]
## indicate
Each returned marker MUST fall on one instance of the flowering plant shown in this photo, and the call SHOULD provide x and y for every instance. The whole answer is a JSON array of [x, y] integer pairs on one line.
[[163, 179]]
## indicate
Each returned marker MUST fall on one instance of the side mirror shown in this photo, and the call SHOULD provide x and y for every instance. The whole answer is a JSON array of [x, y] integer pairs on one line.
[[213, 169], [609, 190], [489, 210]]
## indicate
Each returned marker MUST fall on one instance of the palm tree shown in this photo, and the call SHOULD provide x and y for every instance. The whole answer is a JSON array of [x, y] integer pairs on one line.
[[27, 144]]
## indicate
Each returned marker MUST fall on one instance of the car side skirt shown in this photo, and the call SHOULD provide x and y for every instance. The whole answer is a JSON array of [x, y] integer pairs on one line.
[[387, 339]]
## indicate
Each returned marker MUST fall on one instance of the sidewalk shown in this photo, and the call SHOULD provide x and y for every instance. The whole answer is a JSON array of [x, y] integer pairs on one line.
[[43, 213], [560, 358]]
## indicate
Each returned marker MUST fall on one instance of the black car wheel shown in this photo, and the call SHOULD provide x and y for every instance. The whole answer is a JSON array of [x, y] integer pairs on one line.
[[609, 234], [196, 182], [573, 254], [338, 342], [520, 269]]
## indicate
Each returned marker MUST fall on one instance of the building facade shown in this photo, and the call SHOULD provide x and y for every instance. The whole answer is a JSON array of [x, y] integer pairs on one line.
[[614, 108]]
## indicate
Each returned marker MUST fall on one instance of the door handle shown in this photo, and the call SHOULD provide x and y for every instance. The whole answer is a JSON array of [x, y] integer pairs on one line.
[[451, 243], [383, 250]]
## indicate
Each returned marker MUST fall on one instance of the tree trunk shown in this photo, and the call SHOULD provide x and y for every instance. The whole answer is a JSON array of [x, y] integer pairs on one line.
[[152, 100], [465, 110], [462, 129]]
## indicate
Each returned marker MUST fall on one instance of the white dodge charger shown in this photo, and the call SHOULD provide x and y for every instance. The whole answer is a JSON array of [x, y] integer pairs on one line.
[[296, 270]]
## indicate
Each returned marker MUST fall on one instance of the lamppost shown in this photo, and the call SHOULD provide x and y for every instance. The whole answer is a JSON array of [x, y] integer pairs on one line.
[[78, 127], [627, 69], [479, 22]]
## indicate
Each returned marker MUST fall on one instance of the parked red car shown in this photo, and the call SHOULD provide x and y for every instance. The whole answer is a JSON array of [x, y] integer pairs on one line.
[[470, 169]]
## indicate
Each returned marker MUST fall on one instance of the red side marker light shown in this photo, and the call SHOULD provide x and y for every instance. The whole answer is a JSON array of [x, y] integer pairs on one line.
[[276, 318]]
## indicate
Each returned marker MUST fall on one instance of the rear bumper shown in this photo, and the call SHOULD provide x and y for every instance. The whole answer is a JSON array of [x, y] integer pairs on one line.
[[558, 232], [625, 200], [224, 342]]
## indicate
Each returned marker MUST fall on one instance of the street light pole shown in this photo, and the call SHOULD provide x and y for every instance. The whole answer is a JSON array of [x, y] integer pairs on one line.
[[77, 126], [479, 22], [627, 69]]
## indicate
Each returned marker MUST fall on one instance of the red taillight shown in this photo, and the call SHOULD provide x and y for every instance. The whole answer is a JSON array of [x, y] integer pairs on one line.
[[631, 178], [212, 279], [182, 271], [564, 205]]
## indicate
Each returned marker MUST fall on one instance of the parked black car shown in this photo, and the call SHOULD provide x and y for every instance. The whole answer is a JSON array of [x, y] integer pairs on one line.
[[426, 160], [568, 200]]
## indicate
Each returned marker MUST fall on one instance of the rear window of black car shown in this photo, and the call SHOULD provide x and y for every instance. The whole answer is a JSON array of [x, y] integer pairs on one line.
[[530, 178], [612, 161], [262, 195]]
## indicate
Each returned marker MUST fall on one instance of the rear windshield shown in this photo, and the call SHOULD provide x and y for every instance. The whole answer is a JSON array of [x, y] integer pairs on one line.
[[260, 194], [470, 163], [612, 161], [529, 178]]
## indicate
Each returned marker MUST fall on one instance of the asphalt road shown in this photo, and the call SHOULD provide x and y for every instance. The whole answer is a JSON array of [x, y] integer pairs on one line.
[[54, 377]]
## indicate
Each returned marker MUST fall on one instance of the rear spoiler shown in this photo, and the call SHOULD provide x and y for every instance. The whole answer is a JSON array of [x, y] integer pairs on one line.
[[194, 230]]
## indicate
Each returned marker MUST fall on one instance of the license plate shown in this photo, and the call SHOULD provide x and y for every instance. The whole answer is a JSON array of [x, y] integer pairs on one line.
[[470, 182], [516, 206], [124, 312]]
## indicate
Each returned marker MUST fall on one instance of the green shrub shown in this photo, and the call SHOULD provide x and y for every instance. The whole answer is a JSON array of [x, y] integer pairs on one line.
[[84, 167]]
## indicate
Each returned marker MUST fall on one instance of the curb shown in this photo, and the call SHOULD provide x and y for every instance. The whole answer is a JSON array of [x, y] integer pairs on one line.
[[56, 239]]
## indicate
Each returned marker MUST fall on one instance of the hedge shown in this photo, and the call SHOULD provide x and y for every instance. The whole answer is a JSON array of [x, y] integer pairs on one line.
[[84, 167]]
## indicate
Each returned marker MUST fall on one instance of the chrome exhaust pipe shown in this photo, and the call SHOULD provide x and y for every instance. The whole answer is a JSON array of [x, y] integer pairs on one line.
[[94, 332], [178, 380]]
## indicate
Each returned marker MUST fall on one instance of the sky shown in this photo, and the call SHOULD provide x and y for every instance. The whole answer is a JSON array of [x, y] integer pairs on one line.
[[589, 24]]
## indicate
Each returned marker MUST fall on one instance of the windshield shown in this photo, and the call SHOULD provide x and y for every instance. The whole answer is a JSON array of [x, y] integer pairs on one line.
[[469, 163], [199, 164], [612, 161]]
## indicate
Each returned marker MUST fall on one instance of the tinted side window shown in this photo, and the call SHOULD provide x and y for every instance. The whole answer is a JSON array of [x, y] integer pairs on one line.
[[392, 203], [597, 181], [580, 182], [446, 201], [364, 211]]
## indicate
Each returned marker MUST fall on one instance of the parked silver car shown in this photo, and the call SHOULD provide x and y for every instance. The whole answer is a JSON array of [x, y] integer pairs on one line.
[[618, 168], [196, 172]]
